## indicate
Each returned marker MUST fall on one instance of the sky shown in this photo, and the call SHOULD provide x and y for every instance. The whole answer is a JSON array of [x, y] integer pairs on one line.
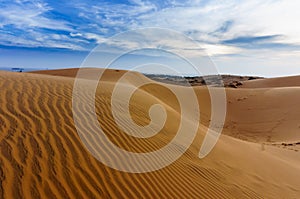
[[239, 37]]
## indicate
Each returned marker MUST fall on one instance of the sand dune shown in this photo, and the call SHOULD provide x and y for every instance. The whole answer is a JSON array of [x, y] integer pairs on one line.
[[265, 115], [42, 156], [292, 81]]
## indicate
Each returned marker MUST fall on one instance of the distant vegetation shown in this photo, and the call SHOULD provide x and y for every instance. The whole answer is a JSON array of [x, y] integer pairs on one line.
[[17, 69], [210, 80]]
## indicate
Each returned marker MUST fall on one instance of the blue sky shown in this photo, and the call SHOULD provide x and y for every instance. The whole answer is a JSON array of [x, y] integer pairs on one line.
[[241, 37]]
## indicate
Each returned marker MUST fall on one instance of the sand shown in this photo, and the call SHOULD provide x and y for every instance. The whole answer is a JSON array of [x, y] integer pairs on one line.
[[291, 81], [42, 155]]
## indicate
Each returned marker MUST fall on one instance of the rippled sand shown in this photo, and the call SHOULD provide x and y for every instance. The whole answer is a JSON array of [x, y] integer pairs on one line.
[[42, 155]]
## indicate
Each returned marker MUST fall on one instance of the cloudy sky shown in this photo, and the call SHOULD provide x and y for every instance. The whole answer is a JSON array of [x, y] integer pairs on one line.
[[241, 37]]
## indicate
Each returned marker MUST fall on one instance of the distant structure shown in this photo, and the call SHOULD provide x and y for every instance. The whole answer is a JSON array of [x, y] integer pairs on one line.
[[17, 69]]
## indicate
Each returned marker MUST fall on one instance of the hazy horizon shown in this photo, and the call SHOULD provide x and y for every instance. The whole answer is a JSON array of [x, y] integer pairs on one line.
[[146, 73]]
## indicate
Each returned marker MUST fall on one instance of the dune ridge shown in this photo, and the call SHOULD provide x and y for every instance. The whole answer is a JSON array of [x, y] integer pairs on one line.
[[290, 81], [42, 155]]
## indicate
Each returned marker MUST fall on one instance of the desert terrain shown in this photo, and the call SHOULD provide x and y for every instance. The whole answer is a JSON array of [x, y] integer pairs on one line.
[[42, 155]]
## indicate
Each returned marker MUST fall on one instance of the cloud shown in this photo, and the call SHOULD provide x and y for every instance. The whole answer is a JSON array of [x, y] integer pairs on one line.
[[162, 40], [91, 36], [225, 27], [220, 27], [261, 42], [246, 24], [29, 14], [75, 34], [25, 24], [251, 39]]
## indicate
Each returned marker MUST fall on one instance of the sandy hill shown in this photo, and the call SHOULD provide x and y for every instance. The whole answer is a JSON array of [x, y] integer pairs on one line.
[[88, 72], [264, 115], [265, 110], [292, 81], [42, 156]]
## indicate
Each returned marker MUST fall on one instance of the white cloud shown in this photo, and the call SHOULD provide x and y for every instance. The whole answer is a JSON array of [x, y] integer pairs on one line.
[[270, 18], [99, 39], [199, 19], [216, 49], [29, 14], [249, 18], [75, 34], [160, 39]]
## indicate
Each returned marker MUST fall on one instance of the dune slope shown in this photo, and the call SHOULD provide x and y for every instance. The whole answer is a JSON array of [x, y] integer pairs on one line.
[[292, 81], [42, 156], [264, 115]]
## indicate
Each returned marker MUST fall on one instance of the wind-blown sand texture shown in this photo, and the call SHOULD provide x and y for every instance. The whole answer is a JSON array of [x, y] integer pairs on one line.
[[42, 155]]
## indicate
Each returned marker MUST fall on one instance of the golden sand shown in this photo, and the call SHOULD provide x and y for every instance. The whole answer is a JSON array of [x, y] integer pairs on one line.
[[42, 156]]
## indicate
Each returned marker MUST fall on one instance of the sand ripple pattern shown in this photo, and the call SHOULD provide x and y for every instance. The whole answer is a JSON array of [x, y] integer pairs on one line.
[[42, 156]]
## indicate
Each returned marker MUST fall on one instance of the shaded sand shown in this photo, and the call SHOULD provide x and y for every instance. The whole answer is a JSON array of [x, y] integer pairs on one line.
[[42, 155]]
